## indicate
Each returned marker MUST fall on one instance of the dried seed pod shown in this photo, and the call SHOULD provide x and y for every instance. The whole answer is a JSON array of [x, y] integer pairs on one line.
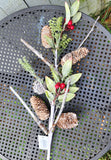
[[45, 31], [39, 107], [67, 120], [38, 87], [77, 55]]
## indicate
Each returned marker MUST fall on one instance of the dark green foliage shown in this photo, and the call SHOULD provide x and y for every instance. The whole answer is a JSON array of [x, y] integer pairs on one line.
[[63, 43]]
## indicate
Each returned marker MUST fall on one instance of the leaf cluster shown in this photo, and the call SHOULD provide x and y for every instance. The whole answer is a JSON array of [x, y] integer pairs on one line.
[[66, 70]]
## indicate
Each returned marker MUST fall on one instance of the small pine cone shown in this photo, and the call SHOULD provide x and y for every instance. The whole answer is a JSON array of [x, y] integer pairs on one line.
[[67, 120], [39, 107], [45, 31], [76, 55], [38, 87]]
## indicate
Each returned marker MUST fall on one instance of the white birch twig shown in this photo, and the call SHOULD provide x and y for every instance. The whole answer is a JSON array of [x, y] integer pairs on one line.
[[50, 135], [44, 129], [36, 52], [56, 66], [89, 32], [39, 55], [63, 103]]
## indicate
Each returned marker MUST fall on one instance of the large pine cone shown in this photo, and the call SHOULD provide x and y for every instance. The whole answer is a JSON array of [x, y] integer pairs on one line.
[[39, 107], [45, 31], [67, 120], [76, 55]]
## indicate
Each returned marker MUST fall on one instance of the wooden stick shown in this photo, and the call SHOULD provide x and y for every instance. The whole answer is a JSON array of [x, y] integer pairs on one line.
[[89, 32], [30, 112]]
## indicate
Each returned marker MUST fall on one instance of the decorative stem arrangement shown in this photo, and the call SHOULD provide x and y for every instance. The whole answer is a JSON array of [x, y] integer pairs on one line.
[[61, 87]]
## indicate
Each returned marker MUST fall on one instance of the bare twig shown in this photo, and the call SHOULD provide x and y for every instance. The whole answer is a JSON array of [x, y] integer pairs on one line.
[[63, 103], [89, 32], [30, 112], [50, 135]]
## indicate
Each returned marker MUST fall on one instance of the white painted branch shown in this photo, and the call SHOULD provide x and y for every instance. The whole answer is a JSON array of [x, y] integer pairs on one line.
[[56, 66], [50, 135], [30, 112], [36, 52], [89, 32]]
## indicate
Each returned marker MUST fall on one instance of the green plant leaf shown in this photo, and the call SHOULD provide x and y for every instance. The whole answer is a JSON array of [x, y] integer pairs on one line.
[[49, 95], [49, 41], [76, 17], [66, 68], [68, 98], [67, 13], [73, 89], [55, 74], [74, 78], [50, 84], [74, 8]]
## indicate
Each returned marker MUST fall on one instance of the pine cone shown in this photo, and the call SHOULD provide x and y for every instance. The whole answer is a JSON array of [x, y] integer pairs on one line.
[[38, 88], [67, 120], [39, 107], [45, 31], [76, 55]]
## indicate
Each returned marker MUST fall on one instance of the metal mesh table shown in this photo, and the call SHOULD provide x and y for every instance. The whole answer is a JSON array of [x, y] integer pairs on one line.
[[18, 131]]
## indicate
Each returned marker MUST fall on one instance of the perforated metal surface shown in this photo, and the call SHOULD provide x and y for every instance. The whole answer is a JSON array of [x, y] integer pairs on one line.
[[18, 131]]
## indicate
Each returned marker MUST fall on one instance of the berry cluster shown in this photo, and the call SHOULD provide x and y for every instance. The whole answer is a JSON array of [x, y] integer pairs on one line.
[[60, 85], [69, 25]]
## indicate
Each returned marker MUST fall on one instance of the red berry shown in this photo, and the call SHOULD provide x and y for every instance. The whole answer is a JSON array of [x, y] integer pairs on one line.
[[70, 23], [62, 85], [57, 85], [65, 89], [72, 27]]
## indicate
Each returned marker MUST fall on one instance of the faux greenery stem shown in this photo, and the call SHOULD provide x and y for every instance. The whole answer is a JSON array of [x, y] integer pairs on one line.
[[89, 32], [43, 128]]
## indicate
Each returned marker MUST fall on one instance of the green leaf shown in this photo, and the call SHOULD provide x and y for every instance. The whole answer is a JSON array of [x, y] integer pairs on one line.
[[55, 74], [76, 17], [49, 95], [49, 41], [67, 13], [50, 84], [74, 78], [68, 98], [66, 68], [73, 89], [74, 8]]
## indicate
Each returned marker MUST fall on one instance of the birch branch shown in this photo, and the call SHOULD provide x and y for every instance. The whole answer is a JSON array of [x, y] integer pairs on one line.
[[50, 135], [43, 128], [89, 32]]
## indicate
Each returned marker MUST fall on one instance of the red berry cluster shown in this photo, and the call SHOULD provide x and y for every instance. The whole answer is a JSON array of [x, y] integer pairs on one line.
[[69, 25], [61, 86]]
